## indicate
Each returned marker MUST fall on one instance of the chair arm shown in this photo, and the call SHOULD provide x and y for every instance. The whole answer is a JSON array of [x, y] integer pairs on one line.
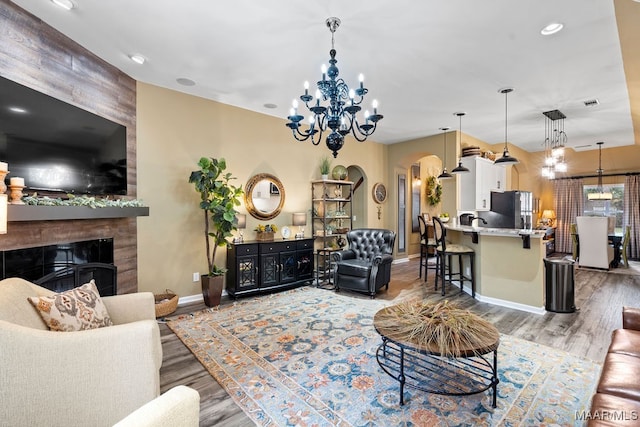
[[129, 308], [178, 407], [342, 255], [631, 318], [383, 259], [117, 366]]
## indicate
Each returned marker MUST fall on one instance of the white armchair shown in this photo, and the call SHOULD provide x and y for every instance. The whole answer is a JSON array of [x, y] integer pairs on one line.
[[95, 377], [595, 250]]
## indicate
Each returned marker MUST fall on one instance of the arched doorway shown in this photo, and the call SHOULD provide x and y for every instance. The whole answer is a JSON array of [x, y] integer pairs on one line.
[[359, 202]]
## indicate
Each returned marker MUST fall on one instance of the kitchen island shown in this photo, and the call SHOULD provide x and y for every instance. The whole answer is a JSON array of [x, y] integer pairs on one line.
[[509, 265]]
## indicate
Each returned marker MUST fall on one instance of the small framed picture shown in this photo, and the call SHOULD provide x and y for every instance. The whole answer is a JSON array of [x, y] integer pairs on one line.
[[274, 189]]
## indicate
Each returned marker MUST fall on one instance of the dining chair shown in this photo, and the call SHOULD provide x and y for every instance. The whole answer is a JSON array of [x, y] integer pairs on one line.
[[573, 230], [595, 250], [624, 247]]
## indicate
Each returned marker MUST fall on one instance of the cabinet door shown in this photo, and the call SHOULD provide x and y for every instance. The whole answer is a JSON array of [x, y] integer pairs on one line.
[[484, 180], [288, 266], [467, 194], [304, 265], [246, 272], [269, 270], [499, 181]]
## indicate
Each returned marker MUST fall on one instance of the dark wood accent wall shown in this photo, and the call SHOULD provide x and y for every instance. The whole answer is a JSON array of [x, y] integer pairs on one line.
[[34, 54]]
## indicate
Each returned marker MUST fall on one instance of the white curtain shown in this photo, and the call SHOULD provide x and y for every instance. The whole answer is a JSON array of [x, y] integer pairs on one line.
[[632, 212], [568, 204]]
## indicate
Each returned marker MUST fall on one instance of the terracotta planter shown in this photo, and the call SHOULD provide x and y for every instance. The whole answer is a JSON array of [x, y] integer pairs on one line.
[[212, 289]]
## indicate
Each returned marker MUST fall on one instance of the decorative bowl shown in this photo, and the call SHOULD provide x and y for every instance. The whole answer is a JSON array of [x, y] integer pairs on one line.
[[444, 218]]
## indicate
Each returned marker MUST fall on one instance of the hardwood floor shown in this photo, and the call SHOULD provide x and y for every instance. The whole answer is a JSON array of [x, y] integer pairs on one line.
[[600, 297]]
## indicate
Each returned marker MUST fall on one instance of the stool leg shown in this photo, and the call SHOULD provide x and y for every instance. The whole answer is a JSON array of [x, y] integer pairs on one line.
[[443, 272], [473, 275], [421, 257], [437, 269], [460, 272]]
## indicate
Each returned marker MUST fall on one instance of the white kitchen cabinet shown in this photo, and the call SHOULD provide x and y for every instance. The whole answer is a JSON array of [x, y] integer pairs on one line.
[[477, 185]]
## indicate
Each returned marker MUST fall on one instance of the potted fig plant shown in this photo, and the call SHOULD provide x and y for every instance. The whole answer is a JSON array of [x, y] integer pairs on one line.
[[218, 199]]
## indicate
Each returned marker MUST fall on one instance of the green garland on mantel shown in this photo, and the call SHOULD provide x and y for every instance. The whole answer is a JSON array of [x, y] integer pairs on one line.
[[86, 201], [433, 191]]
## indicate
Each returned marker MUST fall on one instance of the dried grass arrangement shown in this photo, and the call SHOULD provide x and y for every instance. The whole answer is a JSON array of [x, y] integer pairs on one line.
[[442, 328]]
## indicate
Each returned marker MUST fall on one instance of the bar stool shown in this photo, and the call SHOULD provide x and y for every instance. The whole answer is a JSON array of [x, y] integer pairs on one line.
[[426, 242], [445, 252]]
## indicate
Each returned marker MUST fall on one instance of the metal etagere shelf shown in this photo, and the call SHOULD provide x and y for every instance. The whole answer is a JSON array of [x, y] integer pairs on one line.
[[331, 220]]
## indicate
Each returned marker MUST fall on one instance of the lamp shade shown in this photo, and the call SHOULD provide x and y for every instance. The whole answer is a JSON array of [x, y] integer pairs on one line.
[[549, 214], [600, 195], [242, 221], [299, 219], [3, 214]]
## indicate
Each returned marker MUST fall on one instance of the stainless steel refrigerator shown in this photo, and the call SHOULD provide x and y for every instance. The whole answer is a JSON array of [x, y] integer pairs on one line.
[[509, 209]]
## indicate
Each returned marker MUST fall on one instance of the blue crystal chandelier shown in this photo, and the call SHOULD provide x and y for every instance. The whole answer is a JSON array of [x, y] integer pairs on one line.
[[335, 107]]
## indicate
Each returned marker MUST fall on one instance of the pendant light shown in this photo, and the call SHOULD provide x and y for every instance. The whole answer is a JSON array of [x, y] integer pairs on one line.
[[445, 174], [506, 158], [600, 194], [460, 169]]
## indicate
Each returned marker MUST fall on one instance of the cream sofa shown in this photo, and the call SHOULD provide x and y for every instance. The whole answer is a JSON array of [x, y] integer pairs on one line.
[[87, 378]]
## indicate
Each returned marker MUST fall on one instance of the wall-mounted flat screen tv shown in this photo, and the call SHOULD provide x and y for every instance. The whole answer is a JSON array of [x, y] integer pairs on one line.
[[58, 147]]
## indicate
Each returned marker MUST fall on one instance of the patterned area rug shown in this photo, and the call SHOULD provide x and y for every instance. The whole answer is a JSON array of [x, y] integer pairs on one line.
[[306, 357]]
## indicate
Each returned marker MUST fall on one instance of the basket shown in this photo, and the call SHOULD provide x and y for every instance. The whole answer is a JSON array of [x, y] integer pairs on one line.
[[166, 303]]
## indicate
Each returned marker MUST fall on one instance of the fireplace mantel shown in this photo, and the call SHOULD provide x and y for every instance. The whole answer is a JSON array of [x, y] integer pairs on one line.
[[57, 213]]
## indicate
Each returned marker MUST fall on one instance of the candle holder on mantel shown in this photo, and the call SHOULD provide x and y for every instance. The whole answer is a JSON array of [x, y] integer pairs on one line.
[[16, 194], [3, 186]]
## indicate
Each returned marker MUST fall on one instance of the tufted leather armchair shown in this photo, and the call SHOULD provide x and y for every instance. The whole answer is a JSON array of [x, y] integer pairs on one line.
[[366, 265]]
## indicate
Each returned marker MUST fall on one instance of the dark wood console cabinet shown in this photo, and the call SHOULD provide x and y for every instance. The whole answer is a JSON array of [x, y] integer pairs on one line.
[[258, 266]]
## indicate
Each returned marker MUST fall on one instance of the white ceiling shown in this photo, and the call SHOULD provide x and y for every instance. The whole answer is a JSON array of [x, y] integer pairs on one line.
[[422, 61]]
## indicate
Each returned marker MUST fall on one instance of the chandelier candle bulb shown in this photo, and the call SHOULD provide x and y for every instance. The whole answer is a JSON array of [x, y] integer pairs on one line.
[[324, 72], [374, 104], [306, 88], [4, 167]]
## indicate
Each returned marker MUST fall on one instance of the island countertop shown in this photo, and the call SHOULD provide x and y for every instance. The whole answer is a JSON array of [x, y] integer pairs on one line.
[[509, 268], [488, 231]]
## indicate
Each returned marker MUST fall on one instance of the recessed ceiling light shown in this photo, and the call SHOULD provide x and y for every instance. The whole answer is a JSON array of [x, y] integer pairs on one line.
[[65, 4], [270, 105], [552, 28], [19, 110], [185, 82], [138, 59]]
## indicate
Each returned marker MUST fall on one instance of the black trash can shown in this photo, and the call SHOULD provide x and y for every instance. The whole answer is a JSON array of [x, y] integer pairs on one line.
[[559, 286]]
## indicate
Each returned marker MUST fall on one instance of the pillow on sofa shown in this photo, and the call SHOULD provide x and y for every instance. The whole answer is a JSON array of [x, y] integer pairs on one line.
[[73, 310]]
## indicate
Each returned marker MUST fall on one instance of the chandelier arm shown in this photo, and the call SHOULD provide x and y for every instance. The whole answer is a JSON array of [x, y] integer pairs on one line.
[[365, 133]]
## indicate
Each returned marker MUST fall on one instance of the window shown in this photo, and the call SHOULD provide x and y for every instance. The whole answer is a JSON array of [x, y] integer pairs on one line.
[[613, 207]]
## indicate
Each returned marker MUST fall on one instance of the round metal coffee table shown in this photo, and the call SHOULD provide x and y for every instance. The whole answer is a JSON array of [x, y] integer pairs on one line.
[[470, 371]]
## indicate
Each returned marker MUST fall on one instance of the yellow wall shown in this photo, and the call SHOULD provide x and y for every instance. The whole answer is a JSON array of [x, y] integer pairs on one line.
[[174, 131]]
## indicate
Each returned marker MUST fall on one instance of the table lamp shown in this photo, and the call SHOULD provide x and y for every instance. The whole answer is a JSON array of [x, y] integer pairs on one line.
[[300, 219], [548, 217], [242, 224]]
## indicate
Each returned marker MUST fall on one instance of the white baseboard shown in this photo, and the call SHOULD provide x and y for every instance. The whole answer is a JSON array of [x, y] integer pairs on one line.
[[501, 302], [509, 304], [190, 299], [400, 260]]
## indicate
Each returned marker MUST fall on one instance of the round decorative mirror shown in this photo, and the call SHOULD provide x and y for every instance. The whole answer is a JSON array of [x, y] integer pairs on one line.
[[264, 196]]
